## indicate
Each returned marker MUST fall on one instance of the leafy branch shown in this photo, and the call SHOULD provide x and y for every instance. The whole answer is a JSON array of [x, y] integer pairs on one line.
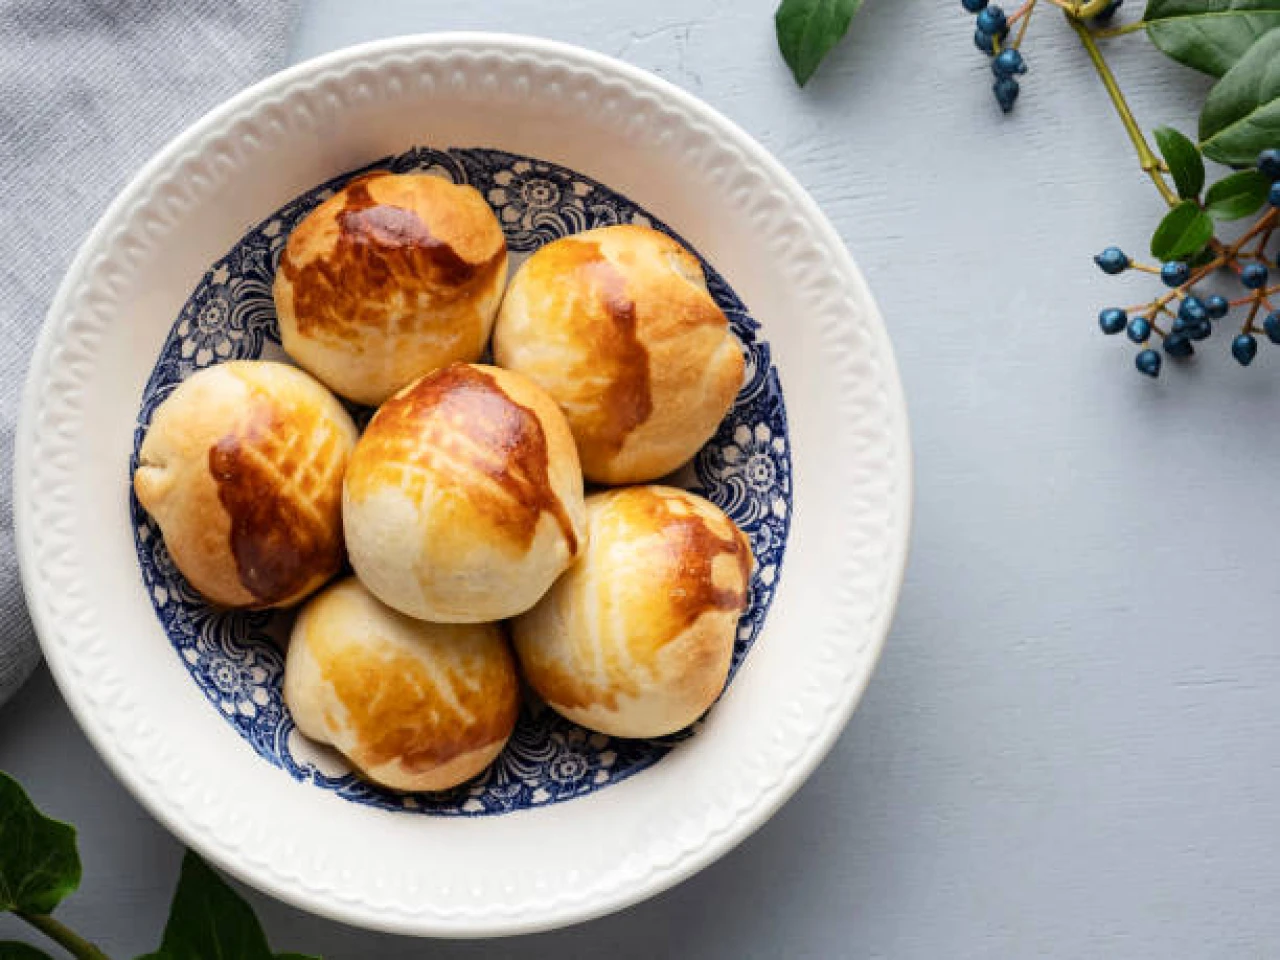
[[40, 867], [1236, 41], [1146, 159]]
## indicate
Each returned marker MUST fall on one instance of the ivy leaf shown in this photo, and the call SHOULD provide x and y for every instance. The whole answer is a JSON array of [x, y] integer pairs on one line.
[[38, 860], [1241, 116], [1182, 233], [1237, 195], [1184, 160], [1209, 35], [11, 950], [808, 29], [210, 921]]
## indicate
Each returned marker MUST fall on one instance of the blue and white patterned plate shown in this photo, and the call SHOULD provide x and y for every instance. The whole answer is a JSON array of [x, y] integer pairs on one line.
[[233, 658]]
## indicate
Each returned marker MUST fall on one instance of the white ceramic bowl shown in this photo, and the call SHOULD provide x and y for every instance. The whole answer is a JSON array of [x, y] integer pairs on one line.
[[152, 707]]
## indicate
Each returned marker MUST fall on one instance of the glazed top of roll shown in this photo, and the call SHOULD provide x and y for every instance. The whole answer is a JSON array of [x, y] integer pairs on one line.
[[618, 326], [394, 275]]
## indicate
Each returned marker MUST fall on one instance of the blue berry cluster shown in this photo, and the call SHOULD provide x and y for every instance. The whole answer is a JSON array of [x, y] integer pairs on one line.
[[1189, 316], [1007, 63]]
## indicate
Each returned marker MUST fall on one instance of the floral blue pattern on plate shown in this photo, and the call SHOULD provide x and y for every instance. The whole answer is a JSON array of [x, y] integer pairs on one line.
[[234, 657]]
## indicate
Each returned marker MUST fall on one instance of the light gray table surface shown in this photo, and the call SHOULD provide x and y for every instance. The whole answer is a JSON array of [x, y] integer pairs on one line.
[[1070, 746]]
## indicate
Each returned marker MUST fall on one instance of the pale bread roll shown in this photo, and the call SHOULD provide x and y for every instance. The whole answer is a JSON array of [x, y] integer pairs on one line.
[[617, 325], [413, 705], [463, 500], [392, 277], [636, 639], [242, 470]]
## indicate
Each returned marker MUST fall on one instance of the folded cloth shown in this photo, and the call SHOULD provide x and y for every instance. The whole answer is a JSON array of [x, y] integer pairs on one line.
[[91, 89]]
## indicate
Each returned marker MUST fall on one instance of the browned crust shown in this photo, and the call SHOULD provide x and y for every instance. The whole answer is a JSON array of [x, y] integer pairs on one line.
[[242, 470], [617, 325], [458, 423], [282, 543], [354, 254], [677, 540], [590, 293], [394, 720], [392, 277], [432, 719], [692, 546]]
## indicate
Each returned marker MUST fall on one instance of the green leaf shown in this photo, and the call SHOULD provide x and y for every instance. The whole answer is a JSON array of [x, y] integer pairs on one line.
[[1209, 35], [808, 29], [1200, 259], [1182, 233], [38, 860], [210, 921], [1237, 195], [1241, 117], [1184, 160], [11, 950]]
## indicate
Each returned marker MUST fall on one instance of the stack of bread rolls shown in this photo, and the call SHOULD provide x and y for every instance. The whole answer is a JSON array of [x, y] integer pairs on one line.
[[477, 555]]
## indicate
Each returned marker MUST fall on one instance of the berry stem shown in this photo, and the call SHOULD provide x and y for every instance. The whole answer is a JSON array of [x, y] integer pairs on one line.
[[1120, 31], [1155, 326], [1146, 157], [1226, 257], [64, 936], [1084, 9], [1263, 295], [1253, 313], [1159, 304], [1260, 250], [1266, 224], [1023, 13], [1196, 276]]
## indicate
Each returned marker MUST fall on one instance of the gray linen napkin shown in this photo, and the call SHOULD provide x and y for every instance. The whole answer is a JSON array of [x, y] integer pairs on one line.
[[88, 91]]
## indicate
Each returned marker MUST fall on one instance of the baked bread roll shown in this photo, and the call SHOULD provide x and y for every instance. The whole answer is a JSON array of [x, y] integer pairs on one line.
[[394, 276], [636, 639], [242, 468], [617, 325], [463, 500], [412, 705]]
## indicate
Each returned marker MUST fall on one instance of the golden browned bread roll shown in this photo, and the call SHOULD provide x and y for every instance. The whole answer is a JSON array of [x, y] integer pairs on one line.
[[463, 500], [617, 325], [636, 639], [394, 276], [413, 705], [242, 470]]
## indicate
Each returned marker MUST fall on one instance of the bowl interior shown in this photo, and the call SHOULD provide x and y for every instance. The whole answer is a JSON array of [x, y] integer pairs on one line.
[[236, 659]]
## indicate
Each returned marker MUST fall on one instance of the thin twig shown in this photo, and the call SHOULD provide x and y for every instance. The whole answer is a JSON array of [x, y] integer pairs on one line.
[[64, 936], [1253, 312], [1120, 31], [1024, 13], [1146, 156]]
